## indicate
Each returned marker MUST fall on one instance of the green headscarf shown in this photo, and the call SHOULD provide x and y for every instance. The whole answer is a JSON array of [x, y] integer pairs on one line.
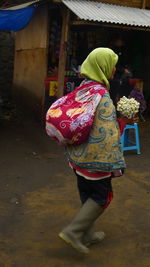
[[99, 64]]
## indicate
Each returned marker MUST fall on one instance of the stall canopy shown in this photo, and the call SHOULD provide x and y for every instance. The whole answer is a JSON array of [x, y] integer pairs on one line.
[[16, 19], [108, 13]]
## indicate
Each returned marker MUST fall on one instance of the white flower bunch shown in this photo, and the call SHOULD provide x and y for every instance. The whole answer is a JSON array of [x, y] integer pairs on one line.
[[128, 107]]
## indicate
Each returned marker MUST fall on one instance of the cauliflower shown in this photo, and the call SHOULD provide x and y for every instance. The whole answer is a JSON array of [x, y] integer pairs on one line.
[[128, 107]]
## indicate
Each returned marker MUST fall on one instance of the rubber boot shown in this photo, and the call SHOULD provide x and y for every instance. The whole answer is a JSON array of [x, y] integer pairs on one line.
[[74, 232], [92, 237]]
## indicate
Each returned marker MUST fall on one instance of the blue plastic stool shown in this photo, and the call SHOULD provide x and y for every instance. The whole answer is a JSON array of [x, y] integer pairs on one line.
[[125, 139]]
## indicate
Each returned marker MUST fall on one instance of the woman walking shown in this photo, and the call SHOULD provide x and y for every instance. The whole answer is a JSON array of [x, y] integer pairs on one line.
[[99, 159]]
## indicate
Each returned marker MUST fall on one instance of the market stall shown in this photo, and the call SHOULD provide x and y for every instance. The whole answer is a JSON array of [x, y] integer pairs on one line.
[[50, 50], [71, 40]]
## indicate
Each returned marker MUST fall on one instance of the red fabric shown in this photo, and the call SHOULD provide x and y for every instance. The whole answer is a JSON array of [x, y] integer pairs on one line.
[[98, 175], [110, 197], [122, 125], [133, 81], [70, 118]]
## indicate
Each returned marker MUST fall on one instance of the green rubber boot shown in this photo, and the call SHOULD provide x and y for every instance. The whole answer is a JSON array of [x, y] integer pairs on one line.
[[92, 237], [73, 234]]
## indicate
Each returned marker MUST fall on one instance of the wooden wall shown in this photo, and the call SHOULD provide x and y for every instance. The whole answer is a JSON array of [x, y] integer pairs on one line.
[[31, 62], [148, 3], [130, 3]]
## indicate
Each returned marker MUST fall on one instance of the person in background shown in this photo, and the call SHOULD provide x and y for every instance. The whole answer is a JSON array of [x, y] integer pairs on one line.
[[100, 158], [137, 94], [120, 85]]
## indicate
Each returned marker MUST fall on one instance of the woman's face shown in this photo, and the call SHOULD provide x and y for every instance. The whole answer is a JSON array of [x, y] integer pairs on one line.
[[113, 73]]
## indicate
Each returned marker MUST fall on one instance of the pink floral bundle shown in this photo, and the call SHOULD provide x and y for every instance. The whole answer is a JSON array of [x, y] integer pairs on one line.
[[70, 118]]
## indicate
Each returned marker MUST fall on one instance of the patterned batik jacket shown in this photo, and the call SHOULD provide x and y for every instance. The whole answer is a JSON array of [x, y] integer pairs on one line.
[[102, 151]]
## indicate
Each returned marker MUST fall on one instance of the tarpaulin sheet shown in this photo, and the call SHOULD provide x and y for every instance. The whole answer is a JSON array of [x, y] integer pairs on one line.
[[15, 20]]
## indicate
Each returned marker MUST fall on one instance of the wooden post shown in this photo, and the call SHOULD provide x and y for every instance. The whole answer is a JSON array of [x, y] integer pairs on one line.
[[143, 4], [63, 52]]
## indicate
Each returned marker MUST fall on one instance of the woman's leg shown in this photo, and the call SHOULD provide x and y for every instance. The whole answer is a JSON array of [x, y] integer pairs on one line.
[[83, 188], [94, 202], [75, 231], [90, 211], [101, 193]]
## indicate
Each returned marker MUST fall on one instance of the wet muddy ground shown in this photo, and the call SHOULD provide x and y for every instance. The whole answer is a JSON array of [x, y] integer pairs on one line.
[[38, 197]]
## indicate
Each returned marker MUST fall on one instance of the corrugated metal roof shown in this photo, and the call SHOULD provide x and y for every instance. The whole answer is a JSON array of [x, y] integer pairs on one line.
[[108, 13]]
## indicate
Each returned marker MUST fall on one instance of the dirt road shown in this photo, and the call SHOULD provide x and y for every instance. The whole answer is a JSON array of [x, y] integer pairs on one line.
[[38, 197]]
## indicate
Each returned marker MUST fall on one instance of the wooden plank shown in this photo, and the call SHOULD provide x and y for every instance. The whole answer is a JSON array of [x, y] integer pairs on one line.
[[56, 1], [31, 58], [63, 52], [143, 4], [110, 25], [29, 72], [148, 3], [34, 35]]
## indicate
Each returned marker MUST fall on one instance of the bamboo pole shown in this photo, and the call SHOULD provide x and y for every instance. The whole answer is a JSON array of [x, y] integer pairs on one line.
[[63, 52], [143, 4]]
